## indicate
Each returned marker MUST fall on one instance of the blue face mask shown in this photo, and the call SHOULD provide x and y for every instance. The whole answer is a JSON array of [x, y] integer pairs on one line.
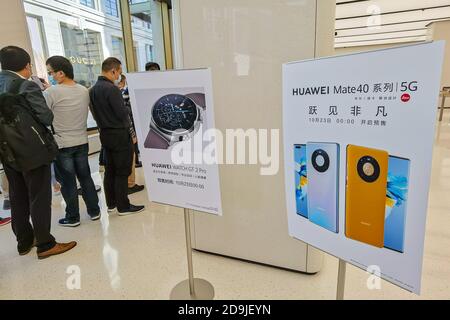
[[52, 81]]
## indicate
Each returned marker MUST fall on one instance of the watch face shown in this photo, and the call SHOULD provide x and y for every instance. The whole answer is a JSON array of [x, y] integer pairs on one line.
[[175, 112]]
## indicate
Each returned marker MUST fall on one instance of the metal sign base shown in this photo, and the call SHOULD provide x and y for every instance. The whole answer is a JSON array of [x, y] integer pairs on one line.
[[192, 288], [203, 290], [341, 280]]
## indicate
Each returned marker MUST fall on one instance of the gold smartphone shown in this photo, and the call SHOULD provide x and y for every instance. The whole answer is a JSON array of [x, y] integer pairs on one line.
[[367, 171]]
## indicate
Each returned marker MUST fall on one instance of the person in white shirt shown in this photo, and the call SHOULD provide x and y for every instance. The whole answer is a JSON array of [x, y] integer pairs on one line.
[[69, 102]]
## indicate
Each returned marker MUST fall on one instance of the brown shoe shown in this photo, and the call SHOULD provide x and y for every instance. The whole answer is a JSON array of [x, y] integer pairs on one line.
[[57, 249]]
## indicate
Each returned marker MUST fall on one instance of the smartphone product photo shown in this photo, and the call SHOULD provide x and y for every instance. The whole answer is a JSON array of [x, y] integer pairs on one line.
[[301, 180], [396, 203], [323, 184], [365, 201]]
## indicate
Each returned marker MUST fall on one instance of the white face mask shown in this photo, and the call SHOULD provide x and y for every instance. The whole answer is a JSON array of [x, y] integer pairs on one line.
[[116, 82]]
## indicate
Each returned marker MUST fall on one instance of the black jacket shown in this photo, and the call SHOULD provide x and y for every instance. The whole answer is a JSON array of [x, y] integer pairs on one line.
[[107, 105], [32, 93]]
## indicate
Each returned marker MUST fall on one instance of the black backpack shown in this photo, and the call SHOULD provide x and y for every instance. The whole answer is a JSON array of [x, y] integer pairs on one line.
[[25, 143]]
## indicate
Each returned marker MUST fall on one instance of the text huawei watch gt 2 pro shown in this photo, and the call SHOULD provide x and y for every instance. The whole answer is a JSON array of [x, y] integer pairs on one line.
[[191, 169], [361, 88]]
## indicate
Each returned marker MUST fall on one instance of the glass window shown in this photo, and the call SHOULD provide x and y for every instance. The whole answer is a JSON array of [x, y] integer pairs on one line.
[[84, 49], [147, 34], [86, 38], [149, 52], [118, 50], [137, 58], [111, 8], [61, 28], [38, 44], [88, 3]]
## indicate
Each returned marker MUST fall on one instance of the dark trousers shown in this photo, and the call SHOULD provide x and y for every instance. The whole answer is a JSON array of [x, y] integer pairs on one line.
[[102, 157], [135, 147], [118, 146], [72, 163], [30, 194], [136, 153]]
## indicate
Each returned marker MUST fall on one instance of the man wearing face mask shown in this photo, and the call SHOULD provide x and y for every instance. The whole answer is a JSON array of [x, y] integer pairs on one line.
[[29, 189], [69, 102], [52, 81], [112, 116]]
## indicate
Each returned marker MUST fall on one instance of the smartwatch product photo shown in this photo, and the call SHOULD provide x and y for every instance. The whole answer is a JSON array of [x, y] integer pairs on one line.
[[175, 118]]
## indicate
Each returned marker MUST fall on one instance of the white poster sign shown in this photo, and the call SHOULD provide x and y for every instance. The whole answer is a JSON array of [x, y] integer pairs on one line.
[[358, 139], [174, 114]]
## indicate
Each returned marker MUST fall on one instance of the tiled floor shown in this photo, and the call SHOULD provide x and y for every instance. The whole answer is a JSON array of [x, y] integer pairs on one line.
[[143, 257]]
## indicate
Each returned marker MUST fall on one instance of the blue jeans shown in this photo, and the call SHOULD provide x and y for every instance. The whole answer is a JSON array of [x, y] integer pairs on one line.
[[72, 163]]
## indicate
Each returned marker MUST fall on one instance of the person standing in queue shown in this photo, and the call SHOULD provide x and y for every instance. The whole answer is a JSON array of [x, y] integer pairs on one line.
[[69, 102], [29, 177], [133, 187], [112, 116]]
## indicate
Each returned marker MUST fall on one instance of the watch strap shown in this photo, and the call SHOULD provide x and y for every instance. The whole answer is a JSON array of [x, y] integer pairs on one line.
[[198, 98], [155, 141]]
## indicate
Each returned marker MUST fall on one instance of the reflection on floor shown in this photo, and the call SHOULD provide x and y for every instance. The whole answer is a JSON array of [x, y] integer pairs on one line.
[[143, 256]]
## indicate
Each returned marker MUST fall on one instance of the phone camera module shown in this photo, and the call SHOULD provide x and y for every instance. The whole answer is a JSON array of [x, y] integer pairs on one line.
[[320, 160], [368, 169]]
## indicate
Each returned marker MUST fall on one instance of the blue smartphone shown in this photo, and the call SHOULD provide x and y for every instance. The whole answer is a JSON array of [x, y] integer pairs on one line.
[[301, 180], [396, 203], [322, 165]]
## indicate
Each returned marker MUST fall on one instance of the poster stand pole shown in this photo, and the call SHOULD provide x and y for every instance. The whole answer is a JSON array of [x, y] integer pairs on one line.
[[192, 288], [341, 280]]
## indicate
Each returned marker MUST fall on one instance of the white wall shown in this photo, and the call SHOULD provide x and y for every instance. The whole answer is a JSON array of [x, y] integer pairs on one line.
[[441, 31], [246, 43], [13, 26]]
